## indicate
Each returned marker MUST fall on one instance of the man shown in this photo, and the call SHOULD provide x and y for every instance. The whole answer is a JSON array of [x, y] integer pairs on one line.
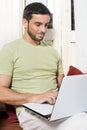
[[31, 70]]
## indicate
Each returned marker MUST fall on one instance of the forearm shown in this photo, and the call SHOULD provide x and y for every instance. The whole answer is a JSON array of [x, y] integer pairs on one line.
[[14, 98], [11, 97], [59, 79]]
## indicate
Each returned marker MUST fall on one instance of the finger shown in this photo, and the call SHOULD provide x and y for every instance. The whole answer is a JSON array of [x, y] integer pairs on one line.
[[51, 100]]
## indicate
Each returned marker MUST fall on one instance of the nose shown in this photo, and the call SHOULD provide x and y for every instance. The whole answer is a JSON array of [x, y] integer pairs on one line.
[[43, 28]]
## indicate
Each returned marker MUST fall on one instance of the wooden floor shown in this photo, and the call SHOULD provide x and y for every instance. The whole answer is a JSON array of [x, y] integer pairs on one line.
[[4, 124]]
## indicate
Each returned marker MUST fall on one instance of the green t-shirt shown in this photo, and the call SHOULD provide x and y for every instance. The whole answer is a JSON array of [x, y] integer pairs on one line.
[[33, 68]]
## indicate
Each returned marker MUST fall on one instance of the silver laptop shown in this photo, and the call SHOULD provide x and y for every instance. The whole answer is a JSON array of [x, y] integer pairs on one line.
[[72, 99]]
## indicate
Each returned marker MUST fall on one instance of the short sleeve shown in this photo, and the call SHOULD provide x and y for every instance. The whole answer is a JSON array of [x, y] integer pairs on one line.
[[60, 66], [6, 61]]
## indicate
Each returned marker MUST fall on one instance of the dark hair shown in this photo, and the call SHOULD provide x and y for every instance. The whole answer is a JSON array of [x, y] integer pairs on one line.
[[35, 8]]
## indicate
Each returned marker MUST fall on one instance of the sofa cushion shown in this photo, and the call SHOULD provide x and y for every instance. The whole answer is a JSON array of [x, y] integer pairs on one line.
[[12, 118], [74, 71]]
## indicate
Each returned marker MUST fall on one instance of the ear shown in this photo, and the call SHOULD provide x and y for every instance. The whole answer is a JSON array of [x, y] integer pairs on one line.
[[25, 23]]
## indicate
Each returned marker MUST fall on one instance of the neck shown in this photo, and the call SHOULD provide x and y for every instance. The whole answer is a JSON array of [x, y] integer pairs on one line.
[[29, 40]]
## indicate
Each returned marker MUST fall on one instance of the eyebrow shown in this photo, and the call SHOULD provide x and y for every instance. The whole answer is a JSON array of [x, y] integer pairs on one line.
[[42, 23]]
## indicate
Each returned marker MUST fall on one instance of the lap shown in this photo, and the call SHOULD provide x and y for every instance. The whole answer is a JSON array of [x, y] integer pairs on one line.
[[29, 121]]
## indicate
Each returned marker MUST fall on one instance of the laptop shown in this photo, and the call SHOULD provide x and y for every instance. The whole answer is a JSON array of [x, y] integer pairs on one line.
[[71, 99]]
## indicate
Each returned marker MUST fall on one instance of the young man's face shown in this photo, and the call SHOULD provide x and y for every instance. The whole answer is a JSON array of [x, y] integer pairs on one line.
[[37, 26]]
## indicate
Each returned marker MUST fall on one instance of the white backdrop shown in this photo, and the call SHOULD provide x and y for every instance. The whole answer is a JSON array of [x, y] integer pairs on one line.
[[81, 33], [10, 20]]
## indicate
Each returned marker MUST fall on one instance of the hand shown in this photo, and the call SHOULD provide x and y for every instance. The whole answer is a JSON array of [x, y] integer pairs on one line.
[[48, 97]]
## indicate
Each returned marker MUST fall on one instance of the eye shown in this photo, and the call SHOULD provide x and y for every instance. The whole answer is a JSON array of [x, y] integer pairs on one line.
[[38, 24], [47, 25]]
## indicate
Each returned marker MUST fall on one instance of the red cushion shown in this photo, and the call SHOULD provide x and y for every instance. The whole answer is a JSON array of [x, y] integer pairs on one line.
[[74, 71], [12, 118]]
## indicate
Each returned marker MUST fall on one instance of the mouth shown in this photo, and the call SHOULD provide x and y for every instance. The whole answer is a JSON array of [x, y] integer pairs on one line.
[[41, 35]]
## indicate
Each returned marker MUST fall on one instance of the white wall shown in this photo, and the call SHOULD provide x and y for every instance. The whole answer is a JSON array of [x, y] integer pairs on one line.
[[43, 1], [64, 38], [10, 20], [81, 33]]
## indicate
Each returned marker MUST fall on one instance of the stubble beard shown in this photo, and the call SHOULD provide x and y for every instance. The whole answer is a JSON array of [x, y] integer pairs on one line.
[[33, 37]]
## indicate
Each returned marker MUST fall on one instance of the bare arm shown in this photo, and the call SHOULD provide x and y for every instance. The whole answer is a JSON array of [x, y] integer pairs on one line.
[[14, 98], [7, 95], [59, 79]]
